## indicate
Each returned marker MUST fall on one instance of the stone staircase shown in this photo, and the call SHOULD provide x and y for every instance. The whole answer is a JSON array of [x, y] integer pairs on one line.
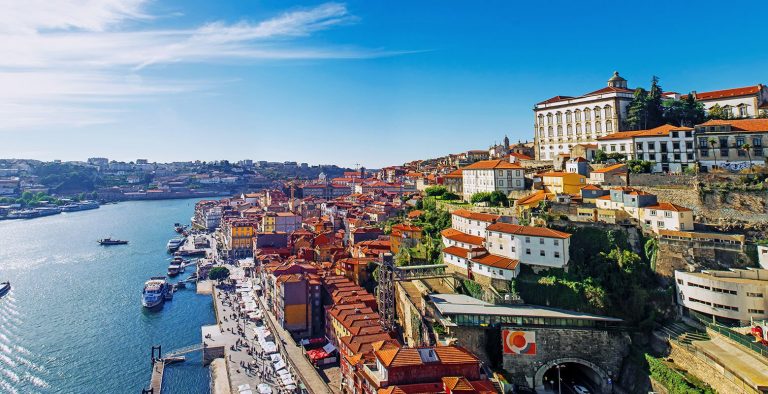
[[683, 333]]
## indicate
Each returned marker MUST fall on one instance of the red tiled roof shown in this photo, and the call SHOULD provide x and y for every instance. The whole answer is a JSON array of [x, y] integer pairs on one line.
[[496, 261], [668, 206], [492, 165], [454, 174], [610, 168], [535, 197], [509, 228], [483, 217], [456, 251], [555, 99], [735, 92], [750, 125], [521, 156], [458, 236], [609, 89], [592, 187]]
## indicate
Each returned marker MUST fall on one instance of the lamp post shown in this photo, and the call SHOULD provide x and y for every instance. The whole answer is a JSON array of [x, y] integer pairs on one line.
[[559, 379]]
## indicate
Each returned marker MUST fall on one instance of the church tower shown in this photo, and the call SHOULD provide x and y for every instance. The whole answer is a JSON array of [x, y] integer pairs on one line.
[[616, 81]]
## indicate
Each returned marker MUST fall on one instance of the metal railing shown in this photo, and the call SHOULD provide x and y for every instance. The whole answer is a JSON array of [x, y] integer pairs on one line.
[[734, 336]]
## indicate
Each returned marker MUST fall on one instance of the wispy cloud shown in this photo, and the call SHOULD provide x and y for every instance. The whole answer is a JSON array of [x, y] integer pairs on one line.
[[69, 55]]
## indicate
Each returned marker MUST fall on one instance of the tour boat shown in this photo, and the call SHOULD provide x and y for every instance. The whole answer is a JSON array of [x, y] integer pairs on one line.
[[110, 241], [174, 269], [174, 244], [154, 293]]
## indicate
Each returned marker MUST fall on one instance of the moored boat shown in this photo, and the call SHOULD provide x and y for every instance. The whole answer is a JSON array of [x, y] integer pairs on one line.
[[110, 241], [155, 291], [5, 287], [174, 244], [174, 269]]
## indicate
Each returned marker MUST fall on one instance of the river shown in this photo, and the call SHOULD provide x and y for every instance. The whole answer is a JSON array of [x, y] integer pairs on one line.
[[73, 321]]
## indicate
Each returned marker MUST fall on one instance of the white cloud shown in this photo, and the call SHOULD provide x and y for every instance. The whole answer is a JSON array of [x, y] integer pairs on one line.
[[66, 55]]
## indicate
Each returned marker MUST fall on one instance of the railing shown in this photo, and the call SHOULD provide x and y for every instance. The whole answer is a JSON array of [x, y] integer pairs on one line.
[[739, 338]]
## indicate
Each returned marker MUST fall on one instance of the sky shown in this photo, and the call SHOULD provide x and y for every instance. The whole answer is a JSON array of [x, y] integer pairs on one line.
[[363, 82]]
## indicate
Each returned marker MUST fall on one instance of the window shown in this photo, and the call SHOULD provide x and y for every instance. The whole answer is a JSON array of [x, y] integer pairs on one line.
[[549, 119], [673, 134], [578, 128], [677, 156], [667, 214], [675, 146], [743, 110], [587, 114], [557, 255], [639, 146], [527, 240], [598, 127], [557, 242], [542, 253], [703, 143], [705, 153], [559, 131], [660, 223], [689, 145], [623, 147], [597, 113], [608, 112], [613, 147], [608, 126], [568, 117], [756, 295], [541, 241], [759, 311], [527, 251], [577, 115], [588, 128], [513, 249]]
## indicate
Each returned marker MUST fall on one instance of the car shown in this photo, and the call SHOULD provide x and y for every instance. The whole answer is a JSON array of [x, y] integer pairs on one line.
[[580, 389]]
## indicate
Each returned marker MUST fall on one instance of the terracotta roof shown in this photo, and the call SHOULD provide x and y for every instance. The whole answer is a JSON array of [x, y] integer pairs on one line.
[[621, 135], [456, 251], [539, 195], [406, 227], [662, 130], [458, 383], [454, 174], [458, 236], [483, 217], [609, 89], [741, 124], [592, 187], [492, 165], [509, 228], [394, 357], [735, 92], [416, 388], [579, 159], [668, 206], [454, 355], [610, 168], [555, 99], [521, 156], [605, 197], [496, 261], [554, 174]]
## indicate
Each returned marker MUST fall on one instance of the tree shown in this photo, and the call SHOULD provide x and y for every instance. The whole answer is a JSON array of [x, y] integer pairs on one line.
[[746, 148], [693, 112], [600, 156], [450, 196], [480, 197], [218, 273], [637, 110], [498, 198], [712, 142], [718, 112], [639, 166], [654, 109], [435, 191]]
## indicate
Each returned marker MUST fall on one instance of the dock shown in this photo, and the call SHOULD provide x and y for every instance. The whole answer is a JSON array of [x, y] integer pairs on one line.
[[156, 383]]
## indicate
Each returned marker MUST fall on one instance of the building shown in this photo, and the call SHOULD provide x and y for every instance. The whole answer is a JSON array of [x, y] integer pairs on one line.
[[238, 237], [746, 102], [666, 216], [564, 121], [484, 268], [404, 236], [577, 165], [297, 305], [738, 295], [562, 182], [539, 247], [490, 176], [762, 256], [453, 182], [472, 223], [612, 175], [721, 143], [354, 269], [670, 148]]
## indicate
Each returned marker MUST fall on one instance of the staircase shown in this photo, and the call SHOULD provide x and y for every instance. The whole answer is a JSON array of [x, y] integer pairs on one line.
[[683, 333]]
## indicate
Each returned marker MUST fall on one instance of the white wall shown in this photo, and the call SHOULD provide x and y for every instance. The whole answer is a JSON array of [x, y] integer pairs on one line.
[[515, 247], [687, 296]]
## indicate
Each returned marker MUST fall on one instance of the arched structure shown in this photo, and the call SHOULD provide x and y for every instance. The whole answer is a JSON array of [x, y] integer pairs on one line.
[[599, 378]]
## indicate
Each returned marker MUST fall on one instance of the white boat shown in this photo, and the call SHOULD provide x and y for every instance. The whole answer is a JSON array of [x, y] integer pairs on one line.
[[174, 244], [155, 290]]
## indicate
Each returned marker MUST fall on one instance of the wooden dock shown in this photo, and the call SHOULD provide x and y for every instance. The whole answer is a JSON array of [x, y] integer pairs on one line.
[[156, 384]]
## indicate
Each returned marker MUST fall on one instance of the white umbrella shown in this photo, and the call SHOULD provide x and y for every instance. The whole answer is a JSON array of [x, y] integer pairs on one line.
[[243, 387], [265, 389]]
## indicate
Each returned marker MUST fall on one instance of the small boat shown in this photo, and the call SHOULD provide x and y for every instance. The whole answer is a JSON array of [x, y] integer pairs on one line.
[[110, 241], [155, 292], [181, 285], [5, 287]]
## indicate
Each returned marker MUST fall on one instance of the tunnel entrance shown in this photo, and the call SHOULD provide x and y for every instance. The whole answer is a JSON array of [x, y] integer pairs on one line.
[[575, 376]]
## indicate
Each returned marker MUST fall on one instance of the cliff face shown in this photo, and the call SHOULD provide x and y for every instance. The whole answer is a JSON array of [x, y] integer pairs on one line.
[[673, 257]]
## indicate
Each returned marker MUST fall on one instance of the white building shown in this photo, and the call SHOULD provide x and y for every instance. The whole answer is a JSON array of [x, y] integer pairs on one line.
[[564, 121], [762, 255], [536, 246], [666, 216], [729, 137], [212, 217], [738, 294], [472, 223], [746, 102], [671, 148], [477, 261], [490, 176]]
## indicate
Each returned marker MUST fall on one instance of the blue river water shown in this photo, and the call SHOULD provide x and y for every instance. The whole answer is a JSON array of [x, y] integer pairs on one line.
[[73, 321]]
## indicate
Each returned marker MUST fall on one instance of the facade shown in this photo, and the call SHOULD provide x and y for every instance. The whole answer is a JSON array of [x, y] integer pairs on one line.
[[666, 216], [746, 102], [472, 223], [564, 121], [490, 176], [238, 237], [721, 143], [563, 182], [611, 175], [670, 148], [404, 236], [453, 182], [577, 165], [736, 295], [536, 246]]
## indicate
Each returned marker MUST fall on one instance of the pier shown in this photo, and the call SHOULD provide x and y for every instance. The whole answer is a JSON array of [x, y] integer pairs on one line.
[[159, 363]]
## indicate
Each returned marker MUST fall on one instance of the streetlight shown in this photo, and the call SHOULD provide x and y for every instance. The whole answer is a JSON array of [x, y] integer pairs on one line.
[[559, 380]]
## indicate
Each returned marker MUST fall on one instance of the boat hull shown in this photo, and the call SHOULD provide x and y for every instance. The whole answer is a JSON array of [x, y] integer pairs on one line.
[[5, 289]]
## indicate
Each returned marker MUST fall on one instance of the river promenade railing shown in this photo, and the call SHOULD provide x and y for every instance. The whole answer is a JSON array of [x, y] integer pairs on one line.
[[734, 336]]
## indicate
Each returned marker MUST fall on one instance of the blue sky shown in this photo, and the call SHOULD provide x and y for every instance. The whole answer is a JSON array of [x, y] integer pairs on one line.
[[369, 82]]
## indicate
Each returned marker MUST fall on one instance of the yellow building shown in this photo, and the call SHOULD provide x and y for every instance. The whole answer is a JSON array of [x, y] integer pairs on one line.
[[404, 235], [238, 237], [563, 182]]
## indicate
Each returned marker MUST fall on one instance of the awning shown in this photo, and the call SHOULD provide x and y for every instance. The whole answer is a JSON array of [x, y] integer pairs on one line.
[[265, 389], [329, 348]]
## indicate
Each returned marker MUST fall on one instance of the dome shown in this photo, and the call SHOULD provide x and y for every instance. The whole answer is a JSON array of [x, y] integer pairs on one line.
[[616, 77], [616, 81]]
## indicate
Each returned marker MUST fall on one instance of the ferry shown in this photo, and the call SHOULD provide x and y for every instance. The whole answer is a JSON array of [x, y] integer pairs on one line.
[[110, 241], [5, 287], [174, 269], [174, 244], [155, 291], [80, 206]]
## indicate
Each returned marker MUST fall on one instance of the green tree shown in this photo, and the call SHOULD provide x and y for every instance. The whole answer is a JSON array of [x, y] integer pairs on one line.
[[713, 142], [654, 109], [637, 111], [639, 166], [718, 112], [480, 197], [747, 148], [435, 191], [600, 156], [693, 112], [450, 196], [497, 198], [218, 273]]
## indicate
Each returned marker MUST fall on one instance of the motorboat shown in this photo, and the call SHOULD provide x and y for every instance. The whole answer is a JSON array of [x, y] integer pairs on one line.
[[174, 269], [174, 244], [155, 291], [5, 287]]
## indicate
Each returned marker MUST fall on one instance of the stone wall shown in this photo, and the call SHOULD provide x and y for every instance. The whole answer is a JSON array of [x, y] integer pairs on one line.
[[606, 349], [708, 370]]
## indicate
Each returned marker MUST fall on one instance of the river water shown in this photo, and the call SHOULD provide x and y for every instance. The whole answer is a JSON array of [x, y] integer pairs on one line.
[[73, 321]]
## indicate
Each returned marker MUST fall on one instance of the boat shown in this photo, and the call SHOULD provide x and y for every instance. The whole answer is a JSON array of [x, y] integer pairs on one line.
[[174, 244], [5, 287], [155, 292], [191, 253], [110, 241], [179, 228], [80, 206], [174, 269]]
